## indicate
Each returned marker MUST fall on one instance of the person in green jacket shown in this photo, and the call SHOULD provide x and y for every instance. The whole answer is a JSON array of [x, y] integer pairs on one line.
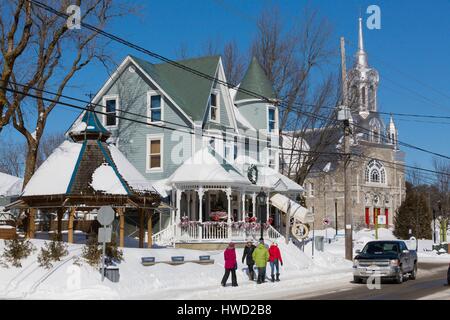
[[261, 256]]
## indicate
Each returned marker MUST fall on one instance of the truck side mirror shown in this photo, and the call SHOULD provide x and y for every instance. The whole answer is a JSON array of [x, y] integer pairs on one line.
[[405, 251]]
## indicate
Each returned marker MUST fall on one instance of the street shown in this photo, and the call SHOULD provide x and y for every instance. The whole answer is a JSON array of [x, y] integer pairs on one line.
[[431, 279]]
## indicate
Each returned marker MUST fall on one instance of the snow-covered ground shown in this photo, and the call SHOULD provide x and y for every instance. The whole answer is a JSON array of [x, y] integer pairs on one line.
[[301, 273]]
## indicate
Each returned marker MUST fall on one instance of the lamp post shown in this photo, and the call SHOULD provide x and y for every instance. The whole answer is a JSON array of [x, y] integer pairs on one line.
[[261, 200]]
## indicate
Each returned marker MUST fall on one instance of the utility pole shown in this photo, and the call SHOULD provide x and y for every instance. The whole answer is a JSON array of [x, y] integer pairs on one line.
[[345, 116]]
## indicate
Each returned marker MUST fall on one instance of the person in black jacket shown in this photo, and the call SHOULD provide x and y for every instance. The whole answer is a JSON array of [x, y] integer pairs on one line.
[[247, 256]]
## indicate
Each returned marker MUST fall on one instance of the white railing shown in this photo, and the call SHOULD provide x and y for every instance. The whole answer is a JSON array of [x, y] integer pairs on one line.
[[208, 232], [165, 237]]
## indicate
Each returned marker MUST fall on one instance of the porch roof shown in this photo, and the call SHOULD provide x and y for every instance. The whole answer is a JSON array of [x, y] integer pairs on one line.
[[206, 168]]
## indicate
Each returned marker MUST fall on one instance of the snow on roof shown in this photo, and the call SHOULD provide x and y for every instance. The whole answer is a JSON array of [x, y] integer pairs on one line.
[[203, 167], [131, 175], [104, 179], [268, 177], [10, 185], [54, 175], [242, 120]]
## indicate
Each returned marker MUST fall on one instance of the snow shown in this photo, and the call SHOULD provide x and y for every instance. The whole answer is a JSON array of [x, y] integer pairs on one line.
[[162, 281], [131, 175], [10, 185], [53, 176], [204, 167], [104, 179], [80, 126]]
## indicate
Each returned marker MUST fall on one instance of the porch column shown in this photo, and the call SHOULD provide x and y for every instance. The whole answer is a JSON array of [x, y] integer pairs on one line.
[[149, 229], [59, 214], [188, 204], [243, 206], [268, 204], [70, 225], [228, 192], [200, 193], [254, 204], [141, 227], [120, 212], [178, 212], [31, 223]]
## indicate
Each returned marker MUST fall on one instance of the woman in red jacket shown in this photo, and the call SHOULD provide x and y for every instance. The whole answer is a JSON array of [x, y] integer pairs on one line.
[[275, 260], [230, 265]]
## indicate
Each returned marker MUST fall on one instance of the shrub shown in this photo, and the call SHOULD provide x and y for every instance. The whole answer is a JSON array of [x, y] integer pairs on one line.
[[92, 251], [16, 250], [52, 252]]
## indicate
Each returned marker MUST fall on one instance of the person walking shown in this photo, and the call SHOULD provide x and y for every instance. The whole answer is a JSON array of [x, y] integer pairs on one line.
[[275, 260], [261, 256], [230, 265], [248, 258]]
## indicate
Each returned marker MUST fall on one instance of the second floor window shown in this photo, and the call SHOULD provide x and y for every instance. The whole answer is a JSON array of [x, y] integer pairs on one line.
[[311, 189], [214, 107], [154, 160], [272, 124], [111, 112], [155, 105]]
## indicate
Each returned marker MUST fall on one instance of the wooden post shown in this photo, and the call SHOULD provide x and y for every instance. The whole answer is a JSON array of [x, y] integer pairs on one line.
[[149, 229], [120, 211], [70, 225], [141, 227], [59, 214], [31, 224]]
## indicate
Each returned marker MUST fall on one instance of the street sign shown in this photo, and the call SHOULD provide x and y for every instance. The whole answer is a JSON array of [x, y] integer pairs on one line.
[[326, 222], [105, 215], [381, 219], [104, 234]]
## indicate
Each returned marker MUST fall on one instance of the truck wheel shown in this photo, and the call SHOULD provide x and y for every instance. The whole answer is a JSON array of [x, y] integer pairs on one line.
[[413, 274], [399, 277], [357, 279]]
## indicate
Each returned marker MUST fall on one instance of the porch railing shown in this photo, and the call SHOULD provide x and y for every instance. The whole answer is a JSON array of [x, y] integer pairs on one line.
[[207, 232]]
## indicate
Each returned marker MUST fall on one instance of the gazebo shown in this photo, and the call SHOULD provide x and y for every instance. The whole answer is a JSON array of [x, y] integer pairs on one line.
[[84, 174]]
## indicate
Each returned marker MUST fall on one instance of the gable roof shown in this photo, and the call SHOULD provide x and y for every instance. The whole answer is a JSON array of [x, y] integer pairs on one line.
[[255, 80], [10, 185], [189, 91]]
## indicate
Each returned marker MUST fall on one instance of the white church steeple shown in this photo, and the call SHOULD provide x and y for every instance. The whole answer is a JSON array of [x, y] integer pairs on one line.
[[361, 55], [392, 133]]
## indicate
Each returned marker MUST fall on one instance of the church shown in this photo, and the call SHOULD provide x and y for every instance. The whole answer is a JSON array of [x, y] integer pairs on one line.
[[377, 175]]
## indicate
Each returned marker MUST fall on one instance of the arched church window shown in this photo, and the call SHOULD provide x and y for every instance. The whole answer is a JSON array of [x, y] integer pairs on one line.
[[372, 98], [375, 130], [354, 96], [375, 172]]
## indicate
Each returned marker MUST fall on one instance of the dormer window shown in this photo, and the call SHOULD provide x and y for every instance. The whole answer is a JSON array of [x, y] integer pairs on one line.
[[272, 119], [214, 106]]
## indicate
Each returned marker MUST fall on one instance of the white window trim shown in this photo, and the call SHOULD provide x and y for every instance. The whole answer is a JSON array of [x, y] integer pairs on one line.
[[149, 138], [149, 114], [111, 97], [217, 93], [269, 107]]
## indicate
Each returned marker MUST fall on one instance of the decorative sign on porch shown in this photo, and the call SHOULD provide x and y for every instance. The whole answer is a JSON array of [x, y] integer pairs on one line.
[[252, 174]]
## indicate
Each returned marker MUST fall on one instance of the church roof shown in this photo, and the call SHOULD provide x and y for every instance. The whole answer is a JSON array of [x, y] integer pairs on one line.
[[255, 80]]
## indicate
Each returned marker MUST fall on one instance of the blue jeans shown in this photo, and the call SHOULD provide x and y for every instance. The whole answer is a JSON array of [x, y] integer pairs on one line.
[[274, 264]]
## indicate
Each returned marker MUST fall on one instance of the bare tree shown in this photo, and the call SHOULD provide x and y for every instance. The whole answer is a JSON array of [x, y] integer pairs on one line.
[[50, 58], [233, 62], [48, 144], [12, 156], [294, 60]]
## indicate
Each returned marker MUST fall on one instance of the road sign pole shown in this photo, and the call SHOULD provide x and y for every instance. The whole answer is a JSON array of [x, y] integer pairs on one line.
[[103, 260]]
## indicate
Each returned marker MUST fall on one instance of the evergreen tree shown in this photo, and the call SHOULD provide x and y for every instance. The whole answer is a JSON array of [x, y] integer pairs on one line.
[[413, 215]]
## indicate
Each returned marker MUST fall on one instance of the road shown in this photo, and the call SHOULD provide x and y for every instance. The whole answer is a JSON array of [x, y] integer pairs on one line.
[[431, 280]]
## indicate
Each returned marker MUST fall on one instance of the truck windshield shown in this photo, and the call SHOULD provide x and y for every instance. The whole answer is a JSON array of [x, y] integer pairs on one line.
[[381, 248]]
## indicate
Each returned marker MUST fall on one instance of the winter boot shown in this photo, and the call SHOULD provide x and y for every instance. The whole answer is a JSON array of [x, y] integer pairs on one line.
[[273, 278], [278, 277]]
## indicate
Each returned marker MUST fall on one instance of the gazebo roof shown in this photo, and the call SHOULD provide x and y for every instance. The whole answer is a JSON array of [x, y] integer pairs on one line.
[[88, 171]]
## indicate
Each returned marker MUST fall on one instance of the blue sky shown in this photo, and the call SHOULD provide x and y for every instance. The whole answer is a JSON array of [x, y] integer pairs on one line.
[[412, 44]]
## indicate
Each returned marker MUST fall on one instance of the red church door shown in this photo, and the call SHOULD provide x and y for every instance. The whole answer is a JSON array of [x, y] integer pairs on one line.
[[368, 217], [386, 213]]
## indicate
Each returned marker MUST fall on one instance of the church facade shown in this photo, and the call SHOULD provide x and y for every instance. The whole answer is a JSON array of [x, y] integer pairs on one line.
[[377, 174]]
